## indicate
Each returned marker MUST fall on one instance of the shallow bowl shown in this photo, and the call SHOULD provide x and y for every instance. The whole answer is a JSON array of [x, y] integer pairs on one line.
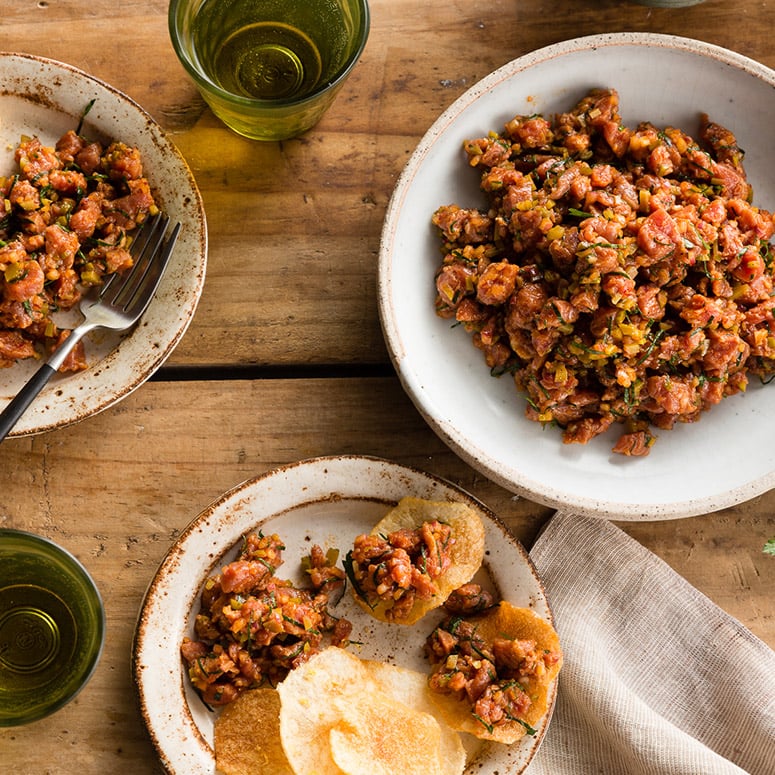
[[326, 501], [44, 98], [725, 458]]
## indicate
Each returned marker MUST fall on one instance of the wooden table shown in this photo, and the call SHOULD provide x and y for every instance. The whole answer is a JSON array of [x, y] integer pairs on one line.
[[291, 364]]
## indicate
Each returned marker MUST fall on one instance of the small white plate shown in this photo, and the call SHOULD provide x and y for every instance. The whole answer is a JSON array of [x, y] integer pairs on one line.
[[725, 458], [45, 98], [327, 501]]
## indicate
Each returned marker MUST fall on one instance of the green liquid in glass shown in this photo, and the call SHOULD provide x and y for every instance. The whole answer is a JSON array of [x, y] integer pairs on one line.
[[38, 637], [270, 50]]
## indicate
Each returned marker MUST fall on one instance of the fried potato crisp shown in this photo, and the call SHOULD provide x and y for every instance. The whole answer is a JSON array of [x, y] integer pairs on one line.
[[411, 688], [414, 557], [526, 652], [247, 736], [374, 738], [336, 716]]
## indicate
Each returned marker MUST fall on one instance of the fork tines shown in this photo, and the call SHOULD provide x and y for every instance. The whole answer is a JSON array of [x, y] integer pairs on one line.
[[149, 255]]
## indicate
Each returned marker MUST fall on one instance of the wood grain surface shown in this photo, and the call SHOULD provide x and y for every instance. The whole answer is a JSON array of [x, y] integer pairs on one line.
[[285, 358], [296, 225]]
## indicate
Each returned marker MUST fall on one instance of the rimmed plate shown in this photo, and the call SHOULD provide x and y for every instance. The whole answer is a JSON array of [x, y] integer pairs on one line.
[[725, 458], [46, 98], [327, 501]]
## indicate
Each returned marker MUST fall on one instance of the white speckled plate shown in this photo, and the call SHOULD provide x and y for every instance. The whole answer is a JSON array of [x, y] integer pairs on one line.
[[728, 456], [46, 98], [326, 501]]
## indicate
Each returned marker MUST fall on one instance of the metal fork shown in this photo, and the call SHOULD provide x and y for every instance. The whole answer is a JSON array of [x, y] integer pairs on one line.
[[118, 305]]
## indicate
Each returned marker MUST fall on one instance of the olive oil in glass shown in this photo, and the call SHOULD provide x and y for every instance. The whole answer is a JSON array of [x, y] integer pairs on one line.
[[37, 631], [270, 49], [51, 627]]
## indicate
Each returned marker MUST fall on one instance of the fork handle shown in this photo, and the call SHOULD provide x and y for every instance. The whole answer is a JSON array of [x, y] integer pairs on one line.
[[21, 401], [18, 406]]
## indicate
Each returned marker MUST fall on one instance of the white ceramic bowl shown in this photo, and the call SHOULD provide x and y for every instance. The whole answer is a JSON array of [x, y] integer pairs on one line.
[[46, 98], [725, 458], [326, 501]]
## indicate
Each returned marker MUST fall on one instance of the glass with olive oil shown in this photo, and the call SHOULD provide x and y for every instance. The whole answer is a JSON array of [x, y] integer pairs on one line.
[[51, 627], [270, 50], [269, 68]]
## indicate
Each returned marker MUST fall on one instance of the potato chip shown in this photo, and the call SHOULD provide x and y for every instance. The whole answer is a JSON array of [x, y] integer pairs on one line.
[[466, 553], [247, 736], [511, 623], [339, 713], [381, 737], [310, 700], [411, 688]]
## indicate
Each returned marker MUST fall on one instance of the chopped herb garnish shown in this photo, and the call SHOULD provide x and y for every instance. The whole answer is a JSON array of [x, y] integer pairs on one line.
[[85, 113], [349, 569]]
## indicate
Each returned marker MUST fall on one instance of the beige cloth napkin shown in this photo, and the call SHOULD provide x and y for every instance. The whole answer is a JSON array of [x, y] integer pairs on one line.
[[657, 679]]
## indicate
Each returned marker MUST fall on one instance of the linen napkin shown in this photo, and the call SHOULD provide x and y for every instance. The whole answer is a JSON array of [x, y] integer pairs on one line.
[[656, 680]]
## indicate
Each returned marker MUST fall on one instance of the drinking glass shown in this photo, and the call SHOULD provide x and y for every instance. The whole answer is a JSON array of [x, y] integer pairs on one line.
[[269, 69], [52, 627]]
